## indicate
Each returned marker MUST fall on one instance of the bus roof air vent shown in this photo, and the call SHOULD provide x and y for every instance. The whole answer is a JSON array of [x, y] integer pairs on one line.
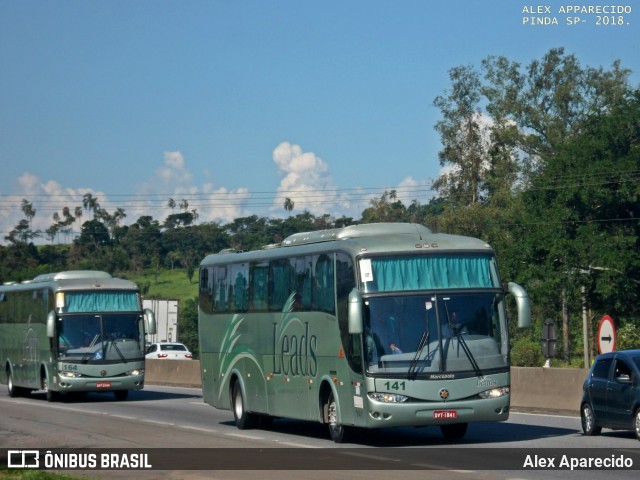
[[420, 232], [71, 275]]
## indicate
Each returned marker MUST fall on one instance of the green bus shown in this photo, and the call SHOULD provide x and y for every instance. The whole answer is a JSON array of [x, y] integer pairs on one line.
[[371, 326], [73, 332]]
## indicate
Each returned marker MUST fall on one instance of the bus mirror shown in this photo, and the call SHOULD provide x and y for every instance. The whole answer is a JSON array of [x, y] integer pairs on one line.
[[355, 312], [522, 302], [51, 324], [149, 322]]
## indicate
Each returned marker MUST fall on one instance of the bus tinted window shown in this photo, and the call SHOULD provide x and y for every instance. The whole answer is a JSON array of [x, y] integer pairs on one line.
[[259, 290], [323, 287]]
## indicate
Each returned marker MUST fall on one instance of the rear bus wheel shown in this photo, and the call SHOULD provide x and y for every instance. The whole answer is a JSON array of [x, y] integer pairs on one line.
[[244, 420], [11, 388]]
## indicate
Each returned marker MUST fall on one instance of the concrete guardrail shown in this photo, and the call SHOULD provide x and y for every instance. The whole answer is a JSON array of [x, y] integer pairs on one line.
[[548, 389]]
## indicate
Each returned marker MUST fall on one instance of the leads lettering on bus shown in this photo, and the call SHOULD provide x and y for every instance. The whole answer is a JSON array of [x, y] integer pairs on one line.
[[295, 354]]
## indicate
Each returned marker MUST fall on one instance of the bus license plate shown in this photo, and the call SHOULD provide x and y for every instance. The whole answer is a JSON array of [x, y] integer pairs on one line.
[[103, 385], [445, 414]]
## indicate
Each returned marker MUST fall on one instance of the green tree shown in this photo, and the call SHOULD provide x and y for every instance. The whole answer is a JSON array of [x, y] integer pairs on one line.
[[462, 137], [387, 208]]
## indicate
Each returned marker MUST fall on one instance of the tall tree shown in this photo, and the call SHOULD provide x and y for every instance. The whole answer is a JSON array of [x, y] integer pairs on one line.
[[90, 203], [462, 136], [288, 204]]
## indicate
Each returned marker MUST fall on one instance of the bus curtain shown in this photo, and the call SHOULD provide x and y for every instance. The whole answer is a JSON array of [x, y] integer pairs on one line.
[[76, 302], [431, 273]]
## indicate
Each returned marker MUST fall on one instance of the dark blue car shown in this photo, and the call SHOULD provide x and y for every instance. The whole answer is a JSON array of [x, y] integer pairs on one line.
[[611, 397]]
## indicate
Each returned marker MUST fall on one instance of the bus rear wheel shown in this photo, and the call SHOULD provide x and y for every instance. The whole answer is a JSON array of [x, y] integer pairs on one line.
[[339, 433], [454, 431], [11, 388], [244, 420]]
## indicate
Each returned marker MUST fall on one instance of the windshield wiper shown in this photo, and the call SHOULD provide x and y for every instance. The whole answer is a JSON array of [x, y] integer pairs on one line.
[[117, 349], [424, 340], [465, 347], [456, 330], [87, 354]]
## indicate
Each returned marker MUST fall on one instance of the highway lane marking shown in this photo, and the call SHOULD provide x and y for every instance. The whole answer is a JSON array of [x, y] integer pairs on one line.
[[248, 437], [545, 415], [156, 422], [124, 417], [292, 444], [198, 429]]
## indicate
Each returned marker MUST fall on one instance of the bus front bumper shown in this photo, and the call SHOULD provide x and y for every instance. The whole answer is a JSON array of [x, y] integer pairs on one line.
[[92, 384], [379, 414]]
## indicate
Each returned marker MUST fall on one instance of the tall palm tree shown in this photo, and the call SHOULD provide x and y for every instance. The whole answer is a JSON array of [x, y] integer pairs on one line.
[[90, 203], [78, 213], [288, 204], [28, 210]]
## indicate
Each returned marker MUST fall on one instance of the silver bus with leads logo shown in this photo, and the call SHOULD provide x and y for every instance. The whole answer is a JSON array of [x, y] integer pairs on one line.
[[368, 326], [73, 332]]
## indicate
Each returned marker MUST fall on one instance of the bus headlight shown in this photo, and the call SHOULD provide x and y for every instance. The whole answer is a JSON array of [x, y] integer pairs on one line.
[[388, 397], [68, 374], [138, 371], [494, 393]]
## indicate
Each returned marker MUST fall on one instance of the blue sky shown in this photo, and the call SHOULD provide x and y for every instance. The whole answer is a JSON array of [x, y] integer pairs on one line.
[[234, 104]]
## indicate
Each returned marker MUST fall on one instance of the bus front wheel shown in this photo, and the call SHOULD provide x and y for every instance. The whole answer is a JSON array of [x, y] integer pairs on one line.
[[244, 419], [121, 395], [338, 432], [454, 431], [50, 395]]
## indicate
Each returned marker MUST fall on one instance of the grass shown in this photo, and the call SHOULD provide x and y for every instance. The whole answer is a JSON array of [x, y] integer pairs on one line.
[[167, 284]]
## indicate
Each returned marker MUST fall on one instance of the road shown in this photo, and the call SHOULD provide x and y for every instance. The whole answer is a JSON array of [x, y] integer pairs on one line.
[[171, 418]]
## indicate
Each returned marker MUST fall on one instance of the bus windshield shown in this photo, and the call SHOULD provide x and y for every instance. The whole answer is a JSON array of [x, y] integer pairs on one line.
[[100, 338], [421, 334]]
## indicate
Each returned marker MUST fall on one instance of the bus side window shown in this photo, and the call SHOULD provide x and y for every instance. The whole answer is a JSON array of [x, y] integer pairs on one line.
[[281, 283], [240, 289], [206, 289], [303, 267], [323, 291], [345, 282], [259, 287], [221, 289]]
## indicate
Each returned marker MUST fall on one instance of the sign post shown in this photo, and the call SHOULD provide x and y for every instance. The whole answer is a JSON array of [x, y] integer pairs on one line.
[[549, 341], [606, 335]]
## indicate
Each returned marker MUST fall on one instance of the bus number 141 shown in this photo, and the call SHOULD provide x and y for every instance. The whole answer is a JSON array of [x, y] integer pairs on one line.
[[395, 385]]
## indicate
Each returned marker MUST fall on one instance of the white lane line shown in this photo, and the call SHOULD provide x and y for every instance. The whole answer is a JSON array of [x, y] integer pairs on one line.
[[248, 437], [292, 444], [156, 422], [198, 429]]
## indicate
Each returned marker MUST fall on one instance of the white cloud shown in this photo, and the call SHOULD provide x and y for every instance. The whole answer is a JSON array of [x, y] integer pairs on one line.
[[47, 198], [306, 180], [173, 179], [174, 171]]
